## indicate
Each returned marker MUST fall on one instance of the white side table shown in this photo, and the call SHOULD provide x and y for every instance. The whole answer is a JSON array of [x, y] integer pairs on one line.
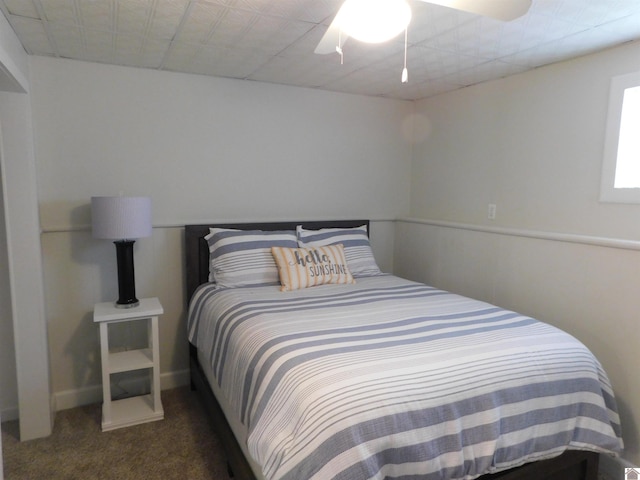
[[142, 408]]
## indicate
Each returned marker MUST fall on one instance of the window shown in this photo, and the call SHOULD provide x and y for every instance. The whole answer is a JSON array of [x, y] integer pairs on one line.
[[621, 164]]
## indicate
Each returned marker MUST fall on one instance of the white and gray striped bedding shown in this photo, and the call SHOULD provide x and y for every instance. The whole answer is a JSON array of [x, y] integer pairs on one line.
[[389, 378]]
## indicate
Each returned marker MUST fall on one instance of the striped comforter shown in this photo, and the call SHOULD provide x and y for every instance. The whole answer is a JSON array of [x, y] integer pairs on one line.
[[389, 378]]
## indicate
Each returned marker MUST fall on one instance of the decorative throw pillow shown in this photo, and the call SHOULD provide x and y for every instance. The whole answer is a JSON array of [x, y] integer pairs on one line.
[[357, 248], [307, 267], [241, 258]]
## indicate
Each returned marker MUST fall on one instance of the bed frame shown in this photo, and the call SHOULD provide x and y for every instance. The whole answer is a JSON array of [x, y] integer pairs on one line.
[[572, 465]]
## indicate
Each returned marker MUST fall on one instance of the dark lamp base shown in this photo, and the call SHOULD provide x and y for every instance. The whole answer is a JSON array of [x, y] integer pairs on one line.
[[126, 280]]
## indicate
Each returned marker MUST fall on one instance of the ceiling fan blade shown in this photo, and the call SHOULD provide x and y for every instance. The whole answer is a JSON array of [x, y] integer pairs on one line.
[[332, 38], [504, 10]]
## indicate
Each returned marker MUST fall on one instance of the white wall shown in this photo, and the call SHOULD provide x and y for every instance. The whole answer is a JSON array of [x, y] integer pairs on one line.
[[203, 149], [532, 144]]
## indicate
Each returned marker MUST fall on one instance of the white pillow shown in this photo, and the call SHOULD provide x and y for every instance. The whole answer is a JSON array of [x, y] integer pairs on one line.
[[357, 248], [239, 258]]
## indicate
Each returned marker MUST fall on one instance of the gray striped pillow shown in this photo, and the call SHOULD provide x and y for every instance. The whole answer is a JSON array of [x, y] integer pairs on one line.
[[357, 248], [240, 258]]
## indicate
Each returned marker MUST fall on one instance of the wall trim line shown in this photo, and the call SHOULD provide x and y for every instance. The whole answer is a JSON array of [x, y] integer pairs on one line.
[[608, 242], [87, 228]]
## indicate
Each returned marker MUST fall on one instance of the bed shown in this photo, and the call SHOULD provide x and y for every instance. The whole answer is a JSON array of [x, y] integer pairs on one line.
[[293, 421]]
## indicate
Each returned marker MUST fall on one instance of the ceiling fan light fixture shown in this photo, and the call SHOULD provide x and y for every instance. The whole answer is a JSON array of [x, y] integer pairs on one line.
[[374, 21]]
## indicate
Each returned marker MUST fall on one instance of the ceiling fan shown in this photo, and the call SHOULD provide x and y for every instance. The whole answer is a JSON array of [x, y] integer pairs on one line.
[[376, 21]]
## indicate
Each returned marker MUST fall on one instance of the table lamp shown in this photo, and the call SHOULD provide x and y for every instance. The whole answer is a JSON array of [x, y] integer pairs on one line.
[[122, 219]]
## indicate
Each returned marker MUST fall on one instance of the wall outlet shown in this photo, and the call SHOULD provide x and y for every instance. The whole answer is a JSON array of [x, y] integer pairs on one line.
[[491, 211]]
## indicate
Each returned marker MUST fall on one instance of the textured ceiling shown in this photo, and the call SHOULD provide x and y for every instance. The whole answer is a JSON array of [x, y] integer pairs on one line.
[[273, 40]]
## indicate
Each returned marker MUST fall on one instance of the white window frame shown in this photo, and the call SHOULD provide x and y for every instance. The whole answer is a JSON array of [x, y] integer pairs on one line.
[[608, 193]]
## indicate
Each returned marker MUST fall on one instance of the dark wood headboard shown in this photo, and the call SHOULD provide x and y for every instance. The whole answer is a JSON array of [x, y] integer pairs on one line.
[[197, 250]]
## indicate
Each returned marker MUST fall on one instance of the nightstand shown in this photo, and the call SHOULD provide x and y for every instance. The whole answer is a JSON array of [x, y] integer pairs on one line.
[[142, 408]]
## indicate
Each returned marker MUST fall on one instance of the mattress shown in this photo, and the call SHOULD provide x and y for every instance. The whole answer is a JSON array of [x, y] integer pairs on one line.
[[389, 378]]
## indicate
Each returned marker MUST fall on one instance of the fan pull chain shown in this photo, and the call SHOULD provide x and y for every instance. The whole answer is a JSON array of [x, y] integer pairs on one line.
[[339, 47], [405, 72]]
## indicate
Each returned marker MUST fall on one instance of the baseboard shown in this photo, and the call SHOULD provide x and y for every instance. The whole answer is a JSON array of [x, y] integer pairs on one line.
[[93, 394], [612, 468], [9, 413]]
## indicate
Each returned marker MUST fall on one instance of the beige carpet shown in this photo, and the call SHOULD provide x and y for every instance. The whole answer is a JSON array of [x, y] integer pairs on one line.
[[182, 446]]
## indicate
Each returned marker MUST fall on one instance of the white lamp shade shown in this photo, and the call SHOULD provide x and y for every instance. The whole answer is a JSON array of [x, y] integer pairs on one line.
[[121, 218]]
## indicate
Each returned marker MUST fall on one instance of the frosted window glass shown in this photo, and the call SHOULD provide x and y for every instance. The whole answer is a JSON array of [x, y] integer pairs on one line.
[[628, 158], [620, 182]]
